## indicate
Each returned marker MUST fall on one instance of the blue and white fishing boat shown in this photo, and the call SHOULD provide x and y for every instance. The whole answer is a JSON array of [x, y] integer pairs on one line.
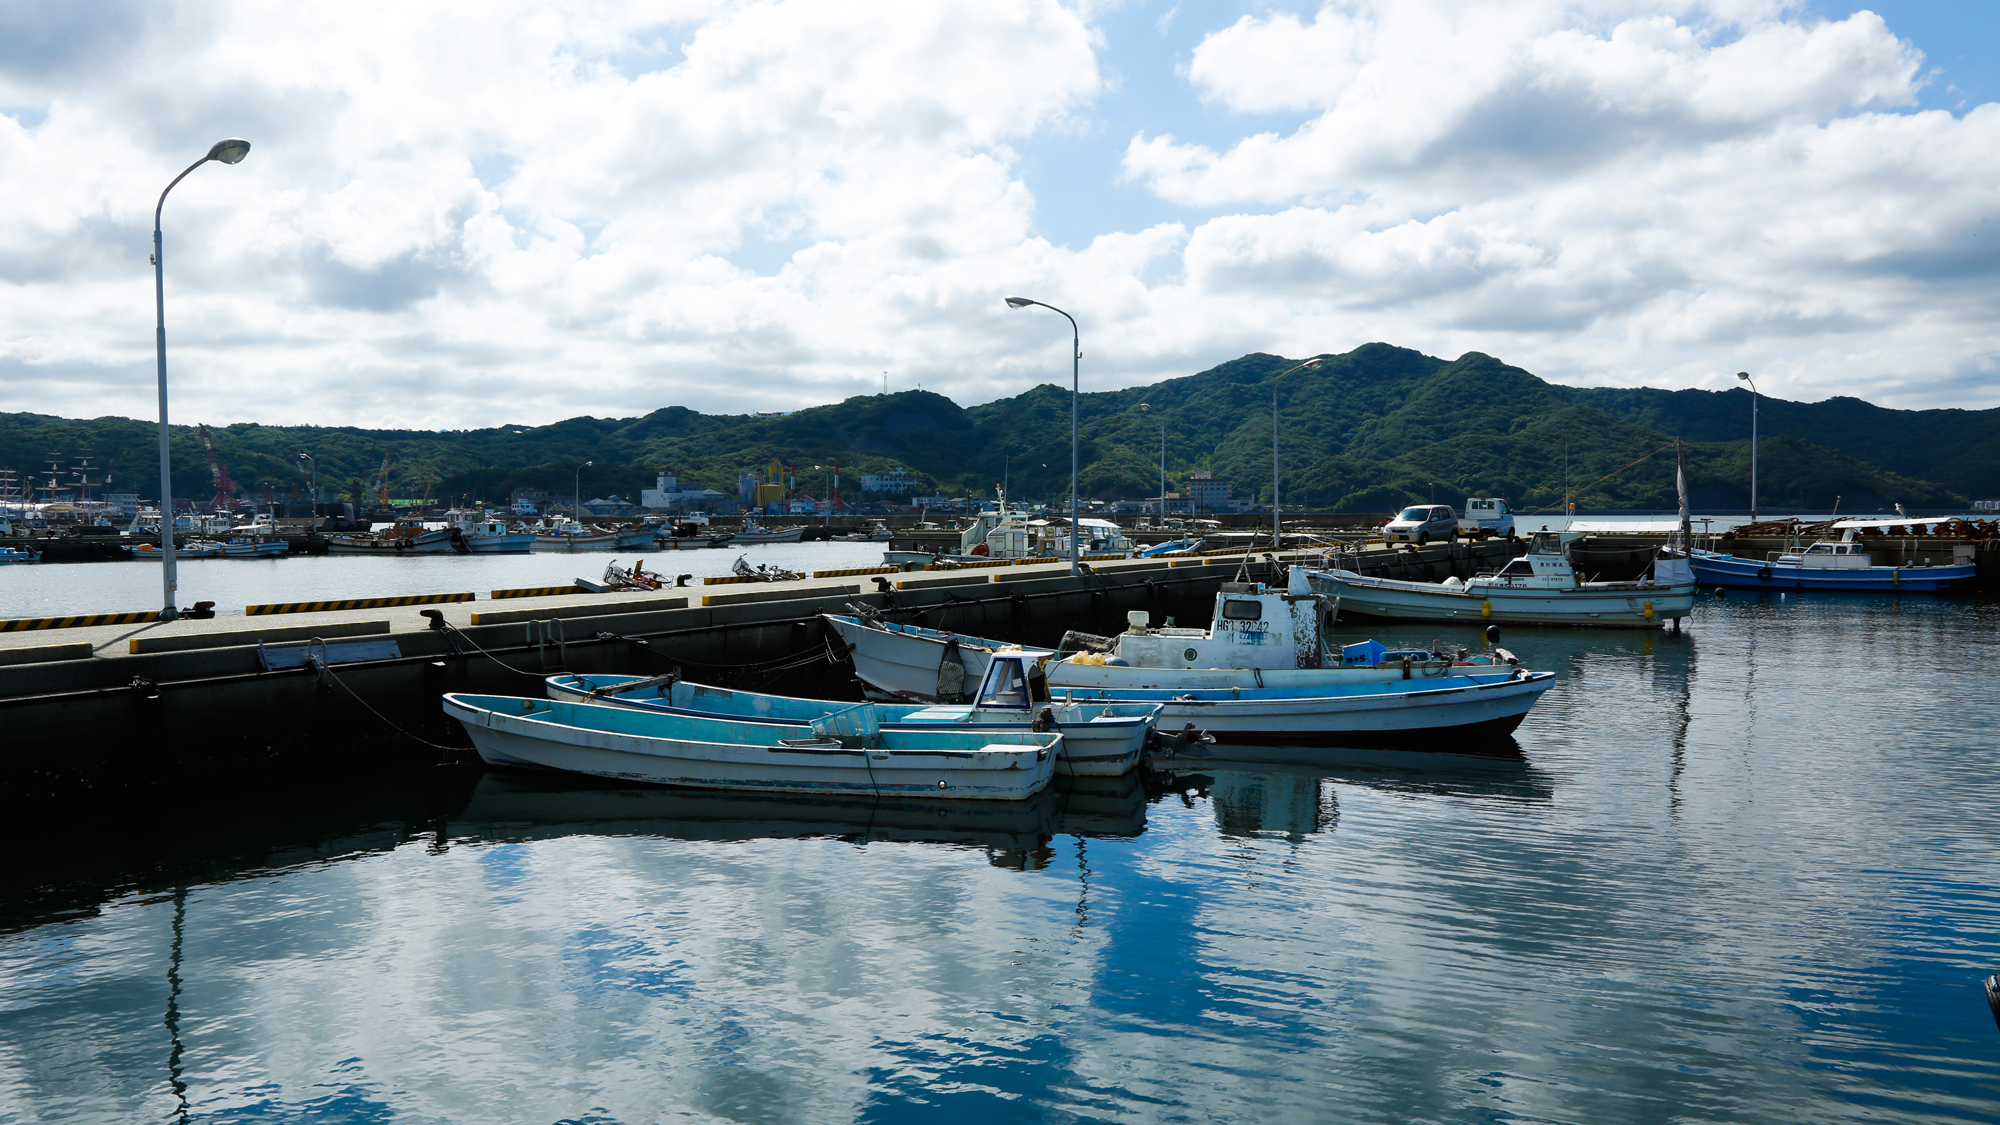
[[753, 532], [846, 752], [1099, 739], [1831, 565], [1262, 673], [9, 555], [1371, 712]]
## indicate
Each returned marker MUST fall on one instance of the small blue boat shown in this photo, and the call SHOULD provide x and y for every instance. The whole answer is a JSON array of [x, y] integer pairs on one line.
[[1100, 739], [846, 752], [1826, 565]]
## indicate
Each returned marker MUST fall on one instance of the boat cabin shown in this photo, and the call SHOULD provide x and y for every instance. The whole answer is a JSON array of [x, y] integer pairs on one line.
[[1253, 626], [1828, 555], [1538, 569]]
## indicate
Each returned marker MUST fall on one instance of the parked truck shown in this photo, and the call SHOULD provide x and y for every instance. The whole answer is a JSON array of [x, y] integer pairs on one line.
[[1486, 517]]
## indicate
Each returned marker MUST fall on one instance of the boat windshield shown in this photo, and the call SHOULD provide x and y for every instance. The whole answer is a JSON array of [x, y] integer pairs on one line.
[[1005, 686], [1416, 515]]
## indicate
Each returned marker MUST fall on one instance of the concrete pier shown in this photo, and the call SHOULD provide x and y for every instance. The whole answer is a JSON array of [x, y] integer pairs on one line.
[[128, 703]]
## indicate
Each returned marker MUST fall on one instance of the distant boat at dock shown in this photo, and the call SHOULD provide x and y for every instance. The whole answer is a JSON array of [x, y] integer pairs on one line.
[[1840, 564], [1538, 588]]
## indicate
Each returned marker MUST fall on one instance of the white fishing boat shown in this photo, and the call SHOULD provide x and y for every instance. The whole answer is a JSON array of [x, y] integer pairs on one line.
[[637, 537], [405, 537], [753, 532], [565, 534], [193, 549], [1538, 588], [1001, 534], [1098, 537], [846, 752], [1099, 739], [1257, 638], [484, 535]]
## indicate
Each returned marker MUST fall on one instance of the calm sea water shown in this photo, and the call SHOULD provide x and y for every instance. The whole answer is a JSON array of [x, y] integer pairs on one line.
[[117, 587], [1746, 874]]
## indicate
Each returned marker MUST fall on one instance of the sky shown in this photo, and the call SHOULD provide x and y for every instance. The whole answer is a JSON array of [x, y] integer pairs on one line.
[[463, 215]]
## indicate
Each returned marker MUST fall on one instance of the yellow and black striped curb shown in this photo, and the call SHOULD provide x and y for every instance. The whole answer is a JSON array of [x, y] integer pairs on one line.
[[352, 603], [854, 571], [20, 623], [537, 592]]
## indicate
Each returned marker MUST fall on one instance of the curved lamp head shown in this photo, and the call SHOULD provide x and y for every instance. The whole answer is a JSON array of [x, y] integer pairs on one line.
[[231, 151], [1018, 302], [1743, 375]]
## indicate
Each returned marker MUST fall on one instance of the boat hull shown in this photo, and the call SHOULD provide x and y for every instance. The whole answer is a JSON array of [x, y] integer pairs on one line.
[[1458, 709], [903, 661], [511, 543], [1395, 599], [605, 542], [1099, 740], [631, 745], [1713, 569], [255, 550], [434, 542]]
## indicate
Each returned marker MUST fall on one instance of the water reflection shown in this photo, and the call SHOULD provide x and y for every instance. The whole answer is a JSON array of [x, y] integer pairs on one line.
[[1652, 908]]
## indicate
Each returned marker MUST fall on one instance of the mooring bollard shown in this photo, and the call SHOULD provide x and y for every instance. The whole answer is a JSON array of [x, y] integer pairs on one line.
[[1993, 996]]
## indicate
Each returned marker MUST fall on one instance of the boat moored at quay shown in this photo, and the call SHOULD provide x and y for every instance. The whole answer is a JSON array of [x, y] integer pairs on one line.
[[847, 752], [1538, 588], [1842, 564]]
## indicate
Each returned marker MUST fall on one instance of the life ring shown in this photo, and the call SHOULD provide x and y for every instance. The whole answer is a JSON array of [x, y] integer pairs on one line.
[[1764, 572]]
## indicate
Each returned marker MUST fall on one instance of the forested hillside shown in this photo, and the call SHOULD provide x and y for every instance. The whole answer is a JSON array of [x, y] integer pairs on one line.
[[1363, 431]]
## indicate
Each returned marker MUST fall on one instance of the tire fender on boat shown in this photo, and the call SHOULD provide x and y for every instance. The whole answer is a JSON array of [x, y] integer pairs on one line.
[[1764, 573]]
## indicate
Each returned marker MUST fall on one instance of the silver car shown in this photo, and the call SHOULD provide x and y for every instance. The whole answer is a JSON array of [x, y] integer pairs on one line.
[[1421, 524]]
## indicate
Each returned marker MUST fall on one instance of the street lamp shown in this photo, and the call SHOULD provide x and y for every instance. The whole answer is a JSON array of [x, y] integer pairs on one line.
[[1745, 376], [1147, 406], [1076, 360], [578, 486], [312, 482], [1277, 536], [231, 151]]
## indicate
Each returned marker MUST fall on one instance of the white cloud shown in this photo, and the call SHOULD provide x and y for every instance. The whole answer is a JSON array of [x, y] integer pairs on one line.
[[1602, 193], [458, 215]]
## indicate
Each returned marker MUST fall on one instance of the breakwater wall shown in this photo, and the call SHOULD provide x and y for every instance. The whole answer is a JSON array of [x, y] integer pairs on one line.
[[125, 705]]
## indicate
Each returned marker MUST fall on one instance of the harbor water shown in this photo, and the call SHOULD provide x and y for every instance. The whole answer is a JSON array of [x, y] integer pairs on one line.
[[1742, 874]]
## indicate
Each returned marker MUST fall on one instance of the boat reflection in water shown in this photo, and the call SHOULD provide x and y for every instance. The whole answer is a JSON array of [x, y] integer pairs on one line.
[[1290, 792], [514, 807]]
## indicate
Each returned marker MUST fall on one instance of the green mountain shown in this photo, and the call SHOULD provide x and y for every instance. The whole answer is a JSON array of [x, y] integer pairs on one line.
[[1364, 431]]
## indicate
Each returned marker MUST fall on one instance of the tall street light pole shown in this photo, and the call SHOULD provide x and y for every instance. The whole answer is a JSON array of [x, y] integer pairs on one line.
[[1745, 376], [312, 482], [1147, 406], [231, 151], [578, 493], [1076, 360], [1277, 540]]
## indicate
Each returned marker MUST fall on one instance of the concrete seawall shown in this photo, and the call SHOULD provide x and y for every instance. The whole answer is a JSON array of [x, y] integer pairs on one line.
[[131, 704]]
